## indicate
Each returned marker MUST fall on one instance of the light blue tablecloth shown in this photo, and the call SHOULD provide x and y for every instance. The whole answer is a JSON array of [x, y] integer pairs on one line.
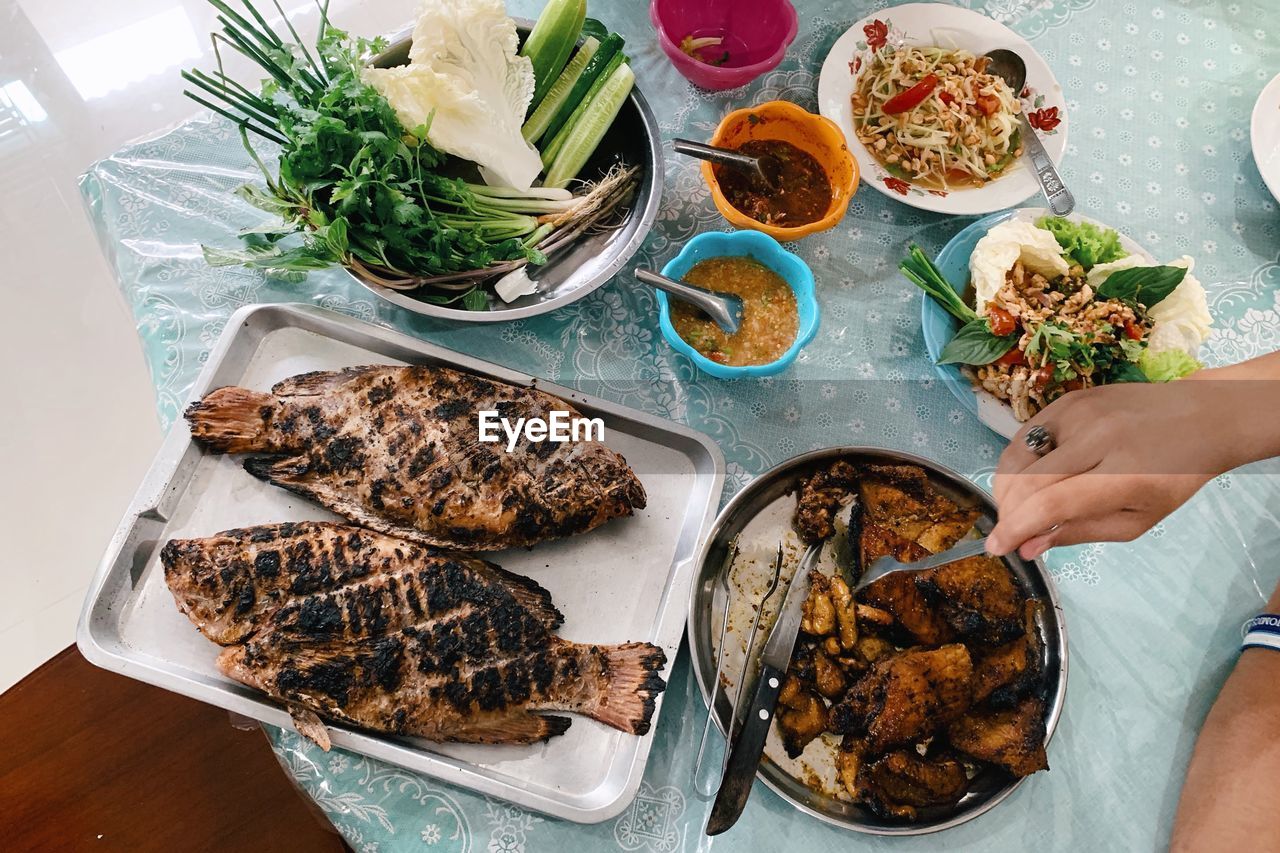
[[1159, 95]]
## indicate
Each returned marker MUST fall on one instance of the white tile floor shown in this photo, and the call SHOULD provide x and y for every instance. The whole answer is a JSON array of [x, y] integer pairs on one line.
[[77, 417]]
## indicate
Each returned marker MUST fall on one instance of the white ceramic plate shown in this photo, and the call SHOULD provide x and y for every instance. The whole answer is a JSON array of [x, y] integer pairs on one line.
[[949, 27], [1264, 130]]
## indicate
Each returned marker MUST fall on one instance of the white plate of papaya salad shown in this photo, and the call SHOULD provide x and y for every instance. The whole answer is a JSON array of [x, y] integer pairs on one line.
[[927, 122]]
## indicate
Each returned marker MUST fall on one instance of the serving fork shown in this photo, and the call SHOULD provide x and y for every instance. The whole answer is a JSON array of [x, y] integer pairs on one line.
[[888, 565]]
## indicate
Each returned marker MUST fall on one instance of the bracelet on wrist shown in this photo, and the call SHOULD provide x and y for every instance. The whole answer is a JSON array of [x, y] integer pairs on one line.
[[1262, 632]]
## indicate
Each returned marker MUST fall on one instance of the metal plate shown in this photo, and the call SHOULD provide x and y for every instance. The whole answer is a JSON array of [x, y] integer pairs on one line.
[[130, 623], [595, 258], [770, 499]]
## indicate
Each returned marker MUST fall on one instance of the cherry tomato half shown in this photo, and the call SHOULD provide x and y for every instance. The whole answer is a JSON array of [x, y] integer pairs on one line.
[[1012, 358], [1001, 321]]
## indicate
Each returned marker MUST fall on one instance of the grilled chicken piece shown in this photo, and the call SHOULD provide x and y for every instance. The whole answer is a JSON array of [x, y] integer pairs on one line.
[[821, 497], [906, 696], [801, 717], [828, 677], [366, 629], [898, 593], [1012, 739], [896, 784], [1005, 673], [830, 610], [978, 597], [871, 649], [397, 449], [901, 498], [234, 582], [848, 762]]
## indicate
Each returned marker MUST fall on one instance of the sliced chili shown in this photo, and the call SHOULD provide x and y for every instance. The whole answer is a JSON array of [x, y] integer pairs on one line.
[[911, 98], [1133, 330]]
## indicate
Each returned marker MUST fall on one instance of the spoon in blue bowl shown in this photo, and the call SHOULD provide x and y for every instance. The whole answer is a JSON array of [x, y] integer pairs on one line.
[[723, 308]]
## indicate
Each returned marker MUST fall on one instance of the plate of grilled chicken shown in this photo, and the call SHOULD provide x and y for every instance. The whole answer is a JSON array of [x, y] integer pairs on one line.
[[326, 542], [918, 702]]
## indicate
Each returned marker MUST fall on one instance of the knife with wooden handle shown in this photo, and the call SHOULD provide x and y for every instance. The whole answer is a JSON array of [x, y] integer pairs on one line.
[[745, 752]]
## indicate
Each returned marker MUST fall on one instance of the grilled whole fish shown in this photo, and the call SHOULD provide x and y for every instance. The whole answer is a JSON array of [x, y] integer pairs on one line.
[[234, 582], [397, 449], [381, 633]]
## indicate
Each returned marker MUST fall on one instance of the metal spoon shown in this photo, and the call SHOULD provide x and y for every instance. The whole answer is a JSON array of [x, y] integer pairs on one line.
[[766, 167], [1007, 64], [724, 308]]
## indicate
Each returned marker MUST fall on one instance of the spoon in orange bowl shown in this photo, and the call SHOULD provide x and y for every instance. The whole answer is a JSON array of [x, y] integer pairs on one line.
[[1011, 67], [766, 167]]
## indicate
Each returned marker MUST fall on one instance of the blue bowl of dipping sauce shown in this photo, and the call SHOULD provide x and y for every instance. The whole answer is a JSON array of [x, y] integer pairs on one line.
[[765, 250]]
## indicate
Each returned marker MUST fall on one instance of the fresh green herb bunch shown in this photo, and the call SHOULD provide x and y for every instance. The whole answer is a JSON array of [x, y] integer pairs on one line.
[[352, 181]]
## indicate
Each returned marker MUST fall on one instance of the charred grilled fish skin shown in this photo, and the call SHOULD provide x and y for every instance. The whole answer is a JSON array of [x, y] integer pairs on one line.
[[397, 449], [381, 633], [232, 583], [400, 683]]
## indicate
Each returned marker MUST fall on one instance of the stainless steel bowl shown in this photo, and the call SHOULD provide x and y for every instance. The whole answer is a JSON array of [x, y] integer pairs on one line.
[[779, 483], [594, 258]]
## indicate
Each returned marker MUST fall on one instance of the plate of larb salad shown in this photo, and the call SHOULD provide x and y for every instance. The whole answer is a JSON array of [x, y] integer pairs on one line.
[[926, 120], [1023, 307]]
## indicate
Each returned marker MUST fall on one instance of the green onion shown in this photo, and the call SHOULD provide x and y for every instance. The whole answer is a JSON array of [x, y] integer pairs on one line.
[[590, 128], [551, 41], [537, 123], [922, 272]]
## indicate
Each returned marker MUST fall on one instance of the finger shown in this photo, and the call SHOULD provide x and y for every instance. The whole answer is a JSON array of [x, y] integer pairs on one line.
[[1122, 526], [1057, 419], [1017, 457], [1074, 458], [1081, 496]]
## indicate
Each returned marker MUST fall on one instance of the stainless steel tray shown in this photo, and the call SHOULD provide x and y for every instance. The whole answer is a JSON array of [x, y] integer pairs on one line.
[[758, 516], [628, 580]]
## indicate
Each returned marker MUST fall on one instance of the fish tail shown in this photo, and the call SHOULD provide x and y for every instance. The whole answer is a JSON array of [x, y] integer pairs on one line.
[[232, 420], [632, 671]]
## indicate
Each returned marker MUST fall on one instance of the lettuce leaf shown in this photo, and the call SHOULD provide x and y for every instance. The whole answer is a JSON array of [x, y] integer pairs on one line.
[[1083, 243], [466, 82], [1168, 365]]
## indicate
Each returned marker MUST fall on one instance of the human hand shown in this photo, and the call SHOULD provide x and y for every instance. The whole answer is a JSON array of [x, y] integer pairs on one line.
[[1125, 457]]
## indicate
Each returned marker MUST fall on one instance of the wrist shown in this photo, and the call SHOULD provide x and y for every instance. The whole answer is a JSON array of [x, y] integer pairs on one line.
[[1236, 409]]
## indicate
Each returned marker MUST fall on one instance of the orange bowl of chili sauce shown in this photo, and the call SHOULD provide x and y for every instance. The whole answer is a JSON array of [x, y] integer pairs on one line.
[[817, 174]]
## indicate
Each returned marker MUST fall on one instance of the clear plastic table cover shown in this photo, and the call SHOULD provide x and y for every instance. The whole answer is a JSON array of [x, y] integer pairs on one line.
[[1158, 96]]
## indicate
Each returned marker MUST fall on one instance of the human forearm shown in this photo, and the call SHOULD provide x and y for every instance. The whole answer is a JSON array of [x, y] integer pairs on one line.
[[1240, 410], [1231, 797]]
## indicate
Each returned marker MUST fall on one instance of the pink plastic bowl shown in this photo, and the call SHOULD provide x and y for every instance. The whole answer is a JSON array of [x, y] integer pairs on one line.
[[756, 34]]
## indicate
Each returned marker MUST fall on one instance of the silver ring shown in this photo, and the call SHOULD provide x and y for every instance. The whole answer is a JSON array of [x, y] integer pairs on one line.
[[1038, 440]]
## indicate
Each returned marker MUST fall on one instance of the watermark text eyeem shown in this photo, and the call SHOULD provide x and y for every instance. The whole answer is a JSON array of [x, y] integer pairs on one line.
[[560, 427]]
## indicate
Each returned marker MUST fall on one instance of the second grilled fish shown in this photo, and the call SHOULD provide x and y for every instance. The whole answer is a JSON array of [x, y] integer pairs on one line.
[[397, 449], [367, 629]]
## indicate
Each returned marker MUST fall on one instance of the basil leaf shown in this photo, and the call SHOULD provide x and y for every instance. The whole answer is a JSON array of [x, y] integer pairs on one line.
[[1144, 286], [1127, 371], [975, 344]]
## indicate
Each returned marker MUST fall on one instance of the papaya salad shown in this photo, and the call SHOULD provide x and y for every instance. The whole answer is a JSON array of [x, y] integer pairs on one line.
[[1059, 305], [935, 117]]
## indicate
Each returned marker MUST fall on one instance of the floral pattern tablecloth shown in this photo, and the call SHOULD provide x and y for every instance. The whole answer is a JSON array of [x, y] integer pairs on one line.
[[1158, 93]]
